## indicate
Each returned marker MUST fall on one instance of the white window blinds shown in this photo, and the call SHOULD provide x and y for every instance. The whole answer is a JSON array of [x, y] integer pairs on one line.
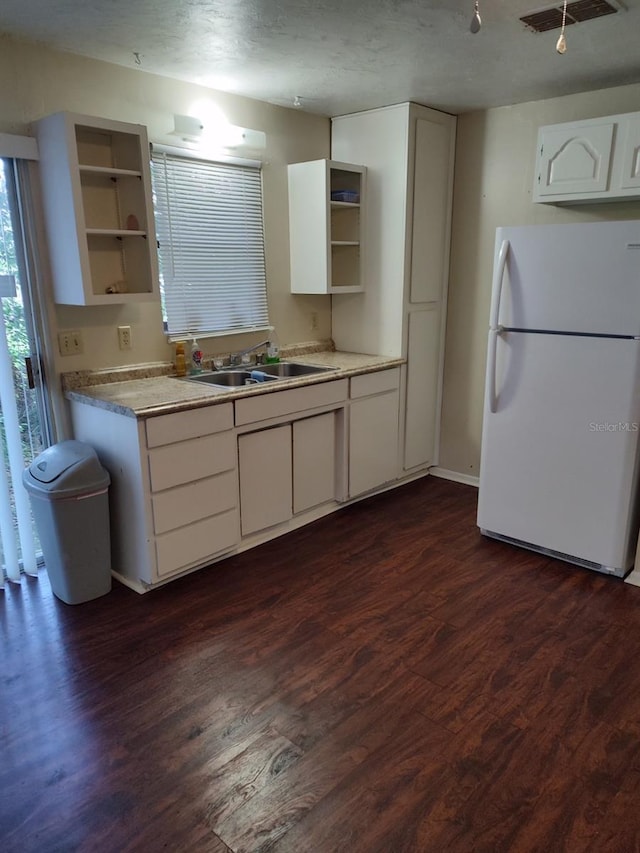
[[211, 245]]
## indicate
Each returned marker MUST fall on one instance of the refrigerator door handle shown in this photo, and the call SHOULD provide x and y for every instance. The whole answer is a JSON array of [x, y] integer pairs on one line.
[[492, 397], [496, 290]]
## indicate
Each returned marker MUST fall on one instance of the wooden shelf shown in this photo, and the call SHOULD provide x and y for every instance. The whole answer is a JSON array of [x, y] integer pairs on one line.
[[345, 242], [345, 204]]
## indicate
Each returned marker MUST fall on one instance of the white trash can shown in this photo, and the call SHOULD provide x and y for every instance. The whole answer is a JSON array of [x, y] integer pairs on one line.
[[68, 488]]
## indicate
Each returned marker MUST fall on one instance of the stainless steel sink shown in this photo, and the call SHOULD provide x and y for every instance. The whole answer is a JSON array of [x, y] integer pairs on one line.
[[226, 378], [234, 378], [290, 369]]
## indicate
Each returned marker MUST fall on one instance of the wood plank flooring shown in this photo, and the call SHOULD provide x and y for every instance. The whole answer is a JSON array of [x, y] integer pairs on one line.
[[384, 680]]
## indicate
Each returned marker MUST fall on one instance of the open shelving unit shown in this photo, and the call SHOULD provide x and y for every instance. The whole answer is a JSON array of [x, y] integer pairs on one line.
[[98, 210], [325, 231]]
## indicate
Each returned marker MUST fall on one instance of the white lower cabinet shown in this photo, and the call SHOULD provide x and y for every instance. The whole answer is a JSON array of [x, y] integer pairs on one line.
[[314, 461], [286, 470], [190, 488], [265, 478], [174, 488], [373, 431]]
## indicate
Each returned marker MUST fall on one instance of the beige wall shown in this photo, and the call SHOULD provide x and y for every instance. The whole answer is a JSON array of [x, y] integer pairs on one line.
[[495, 159], [37, 82]]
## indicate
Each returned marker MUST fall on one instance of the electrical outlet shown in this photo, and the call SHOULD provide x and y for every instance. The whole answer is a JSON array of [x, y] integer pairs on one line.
[[124, 337], [314, 320], [70, 343]]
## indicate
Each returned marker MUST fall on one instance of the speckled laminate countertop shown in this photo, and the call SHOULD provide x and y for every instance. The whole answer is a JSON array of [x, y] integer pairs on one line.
[[162, 395]]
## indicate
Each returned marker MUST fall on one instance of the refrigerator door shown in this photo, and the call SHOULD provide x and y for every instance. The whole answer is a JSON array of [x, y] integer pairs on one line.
[[560, 446], [570, 278]]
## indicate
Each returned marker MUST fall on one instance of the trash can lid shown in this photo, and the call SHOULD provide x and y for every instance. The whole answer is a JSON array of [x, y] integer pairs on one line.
[[67, 468]]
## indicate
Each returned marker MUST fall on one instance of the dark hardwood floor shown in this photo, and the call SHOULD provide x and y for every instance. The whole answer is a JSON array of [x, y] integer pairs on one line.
[[385, 679]]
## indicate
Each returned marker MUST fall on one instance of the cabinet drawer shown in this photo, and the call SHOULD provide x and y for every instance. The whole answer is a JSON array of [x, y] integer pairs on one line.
[[375, 383], [196, 543], [181, 463], [195, 501], [287, 402], [167, 429]]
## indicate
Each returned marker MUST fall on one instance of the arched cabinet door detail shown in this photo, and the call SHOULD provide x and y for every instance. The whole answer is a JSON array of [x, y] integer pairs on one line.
[[572, 161], [588, 161]]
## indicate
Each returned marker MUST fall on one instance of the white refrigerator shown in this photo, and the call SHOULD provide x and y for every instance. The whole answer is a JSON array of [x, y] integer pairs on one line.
[[560, 443]]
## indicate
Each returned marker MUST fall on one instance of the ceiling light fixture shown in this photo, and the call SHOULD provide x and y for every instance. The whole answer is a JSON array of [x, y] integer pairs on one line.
[[187, 128], [561, 44], [476, 21], [216, 133]]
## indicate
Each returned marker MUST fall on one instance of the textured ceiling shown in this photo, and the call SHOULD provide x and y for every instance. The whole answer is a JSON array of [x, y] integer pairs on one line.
[[340, 56]]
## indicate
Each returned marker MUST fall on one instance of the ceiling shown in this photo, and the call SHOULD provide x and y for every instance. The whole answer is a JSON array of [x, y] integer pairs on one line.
[[342, 56]]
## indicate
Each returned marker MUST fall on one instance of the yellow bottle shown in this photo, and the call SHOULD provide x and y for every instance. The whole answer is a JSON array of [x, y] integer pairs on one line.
[[181, 361]]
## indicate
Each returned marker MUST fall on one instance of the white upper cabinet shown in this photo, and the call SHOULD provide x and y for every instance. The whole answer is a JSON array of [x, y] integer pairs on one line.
[[630, 178], [587, 161], [96, 187], [326, 201]]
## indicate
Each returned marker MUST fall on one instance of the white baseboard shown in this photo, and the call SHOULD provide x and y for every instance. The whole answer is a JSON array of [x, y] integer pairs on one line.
[[456, 476], [136, 586], [633, 578]]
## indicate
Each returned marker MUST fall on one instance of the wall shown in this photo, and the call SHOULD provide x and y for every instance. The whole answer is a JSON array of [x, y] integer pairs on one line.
[[37, 82], [495, 158]]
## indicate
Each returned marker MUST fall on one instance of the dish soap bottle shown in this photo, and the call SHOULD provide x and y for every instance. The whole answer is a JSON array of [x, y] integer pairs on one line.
[[196, 358], [181, 361], [273, 347]]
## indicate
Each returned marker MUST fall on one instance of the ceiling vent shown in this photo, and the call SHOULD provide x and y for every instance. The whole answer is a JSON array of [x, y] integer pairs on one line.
[[581, 10]]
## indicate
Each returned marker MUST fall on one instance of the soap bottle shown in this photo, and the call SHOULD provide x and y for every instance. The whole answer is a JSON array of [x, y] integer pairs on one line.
[[195, 365], [273, 347], [181, 360]]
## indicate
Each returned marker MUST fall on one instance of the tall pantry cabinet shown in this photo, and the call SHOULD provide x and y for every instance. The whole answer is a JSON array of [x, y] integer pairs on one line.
[[408, 150]]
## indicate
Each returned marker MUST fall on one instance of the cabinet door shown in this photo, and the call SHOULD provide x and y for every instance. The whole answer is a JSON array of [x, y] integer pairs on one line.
[[423, 372], [314, 454], [309, 226], [265, 478], [373, 442], [574, 159], [431, 204], [631, 154]]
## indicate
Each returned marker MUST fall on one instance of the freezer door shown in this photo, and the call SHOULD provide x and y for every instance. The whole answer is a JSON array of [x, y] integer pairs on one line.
[[560, 445], [571, 278]]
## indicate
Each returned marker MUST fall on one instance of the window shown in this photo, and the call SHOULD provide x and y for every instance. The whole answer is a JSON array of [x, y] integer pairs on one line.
[[211, 245]]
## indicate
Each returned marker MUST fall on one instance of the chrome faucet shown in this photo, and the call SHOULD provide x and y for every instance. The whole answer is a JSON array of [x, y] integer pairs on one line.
[[236, 357]]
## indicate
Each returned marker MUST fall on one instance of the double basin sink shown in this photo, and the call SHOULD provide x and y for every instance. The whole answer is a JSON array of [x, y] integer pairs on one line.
[[238, 377]]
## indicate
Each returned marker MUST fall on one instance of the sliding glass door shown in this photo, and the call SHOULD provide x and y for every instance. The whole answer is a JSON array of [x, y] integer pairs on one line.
[[23, 410]]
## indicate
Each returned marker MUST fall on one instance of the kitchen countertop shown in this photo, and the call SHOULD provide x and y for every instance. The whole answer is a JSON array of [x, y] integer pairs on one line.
[[161, 395]]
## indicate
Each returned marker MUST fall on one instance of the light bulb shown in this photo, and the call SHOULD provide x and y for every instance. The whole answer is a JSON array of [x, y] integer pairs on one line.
[[476, 21]]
